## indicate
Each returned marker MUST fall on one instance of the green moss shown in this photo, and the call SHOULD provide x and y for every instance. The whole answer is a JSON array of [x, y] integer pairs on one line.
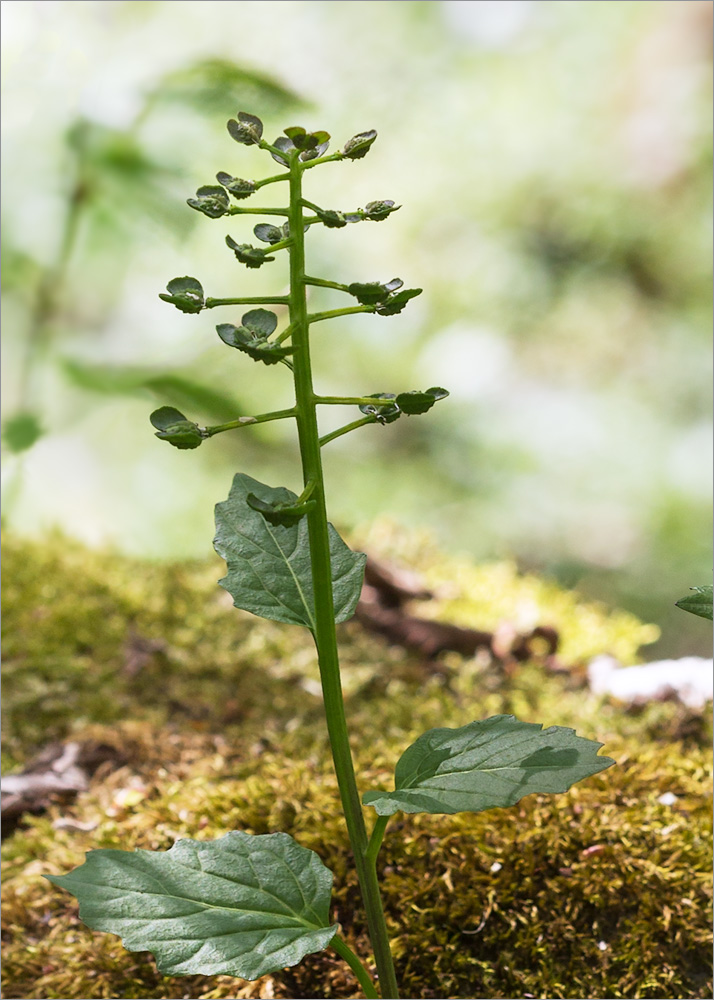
[[600, 892]]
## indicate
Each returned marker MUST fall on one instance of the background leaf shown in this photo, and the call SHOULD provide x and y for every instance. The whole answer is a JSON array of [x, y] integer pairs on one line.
[[242, 905], [269, 572], [486, 765], [699, 603]]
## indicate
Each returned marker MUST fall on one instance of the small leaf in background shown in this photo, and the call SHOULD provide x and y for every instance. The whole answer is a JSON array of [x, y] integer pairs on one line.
[[184, 293], [378, 210], [269, 234], [699, 603], [385, 414], [241, 905], [359, 145], [238, 187], [269, 568], [371, 292], [249, 255], [174, 427], [419, 402], [279, 513], [210, 199], [395, 303], [209, 85], [248, 129], [487, 765], [21, 431]]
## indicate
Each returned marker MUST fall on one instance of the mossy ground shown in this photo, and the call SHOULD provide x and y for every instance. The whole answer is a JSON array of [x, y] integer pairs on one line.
[[601, 892]]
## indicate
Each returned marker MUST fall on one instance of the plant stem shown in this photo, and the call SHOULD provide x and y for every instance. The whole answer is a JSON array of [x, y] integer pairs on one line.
[[324, 631], [308, 164], [363, 977], [271, 180], [323, 283], [333, 313], [238, 210], [262, 418], [326, 438], [376, 838], [275, 300], [354, 400]]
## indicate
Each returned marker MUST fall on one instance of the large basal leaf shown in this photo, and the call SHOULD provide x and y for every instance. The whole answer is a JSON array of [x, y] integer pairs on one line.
[[485, 765], [242, 905], [699, 603], [269, 571]]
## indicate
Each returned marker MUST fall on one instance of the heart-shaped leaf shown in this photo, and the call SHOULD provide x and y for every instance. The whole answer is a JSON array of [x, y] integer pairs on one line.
[[419, 402], [211, 200], [241, 905], [269, 234], [359, 145], [699, 603], [238, 187], [284, 144], [172, 426], [248, 129], [261, 322], [184, 293], [487, 765], [253, 344], [269, 569], [249, 255]]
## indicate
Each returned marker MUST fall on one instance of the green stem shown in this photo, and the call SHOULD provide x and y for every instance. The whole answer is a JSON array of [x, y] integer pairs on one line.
[[262, 418], [309, 164], [326, 438], [323, 283], [324, 631], [238, 210], [249, 300], [363, 977], [333, 313], [376, 838], [354, 400], [271, 180]]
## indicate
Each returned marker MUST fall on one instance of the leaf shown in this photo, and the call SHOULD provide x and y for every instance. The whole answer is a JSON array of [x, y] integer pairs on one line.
[[386, 414], [378, 210], [248, 129], [699, 603], [395, 303], [21, 431], [285, 144], [359, 145], [241, 905], [261, 322], [268, 234], [371, 293], [331, 219], [238, 187], [419, 402], [249, 255], [174, 427], [279, 513], [253, 344], [269, 571], [487, 765], [212, 200], [184, 293]]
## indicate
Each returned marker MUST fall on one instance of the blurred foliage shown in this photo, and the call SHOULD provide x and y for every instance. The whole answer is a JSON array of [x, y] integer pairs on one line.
[[557, 213], [604, 891]]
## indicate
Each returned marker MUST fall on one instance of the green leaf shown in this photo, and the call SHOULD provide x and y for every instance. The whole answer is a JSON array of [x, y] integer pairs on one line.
[[370, 293], [279, 513], [699, 603], [21, 431], [487, 765], [249, 255], [174, 427], [269, 234], [419, 402], [310, 144], [212, 200], [386, 414], [241, 905], [359, 145], [238, 187], [252, 343], [248, 129], [184, 293], [331, 219], [261, 322], [269, 571], [378, 210], [395, 303], [284, 144]]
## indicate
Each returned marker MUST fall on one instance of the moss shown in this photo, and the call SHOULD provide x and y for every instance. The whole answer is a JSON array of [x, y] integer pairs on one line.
[[600, 892]]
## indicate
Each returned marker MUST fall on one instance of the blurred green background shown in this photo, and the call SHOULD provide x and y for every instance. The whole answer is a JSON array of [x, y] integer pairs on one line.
[[553, 160]]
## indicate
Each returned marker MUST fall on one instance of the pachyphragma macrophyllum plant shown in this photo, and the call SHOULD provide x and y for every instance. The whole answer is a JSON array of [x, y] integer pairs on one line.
[[248, 905]]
